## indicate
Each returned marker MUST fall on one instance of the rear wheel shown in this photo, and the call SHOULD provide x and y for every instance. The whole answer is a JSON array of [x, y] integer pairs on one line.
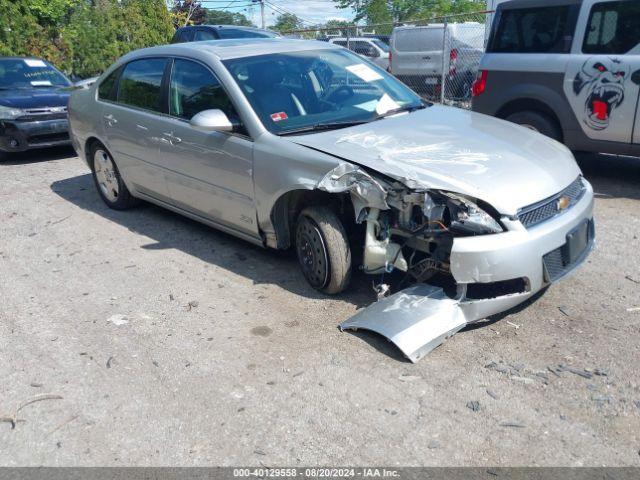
[[538, 122], [108, 180], [323, 250]]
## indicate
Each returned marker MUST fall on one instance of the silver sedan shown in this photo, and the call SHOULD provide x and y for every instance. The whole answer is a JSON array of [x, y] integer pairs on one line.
[[302, 144]]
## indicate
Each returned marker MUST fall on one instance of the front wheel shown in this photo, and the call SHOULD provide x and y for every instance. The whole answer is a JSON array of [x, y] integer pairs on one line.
[[323, 250], [108, 180]]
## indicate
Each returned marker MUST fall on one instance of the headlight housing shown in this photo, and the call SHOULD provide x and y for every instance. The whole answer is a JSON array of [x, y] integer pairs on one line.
[[460, 214], [10, 113]]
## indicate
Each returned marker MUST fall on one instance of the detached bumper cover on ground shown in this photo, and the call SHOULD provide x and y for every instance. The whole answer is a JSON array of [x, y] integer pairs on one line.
[[421, 317]]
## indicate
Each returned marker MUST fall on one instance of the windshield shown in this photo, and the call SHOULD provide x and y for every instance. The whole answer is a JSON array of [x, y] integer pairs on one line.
[[297, 90], [29, 73]]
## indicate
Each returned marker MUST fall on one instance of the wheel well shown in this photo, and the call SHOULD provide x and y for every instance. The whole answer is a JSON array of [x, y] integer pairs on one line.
[[87, 148], [523, 104], [287, 208]]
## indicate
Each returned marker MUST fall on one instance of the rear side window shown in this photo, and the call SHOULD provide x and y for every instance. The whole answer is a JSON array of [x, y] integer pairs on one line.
[[140, 84], [184, 35], [613, 28], [106, 90], [204, 34], [534, 30], [193, 89], [418, 39]]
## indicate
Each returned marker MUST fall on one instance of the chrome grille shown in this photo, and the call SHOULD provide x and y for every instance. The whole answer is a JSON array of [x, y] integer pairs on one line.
[[541, 211], [40, 114]]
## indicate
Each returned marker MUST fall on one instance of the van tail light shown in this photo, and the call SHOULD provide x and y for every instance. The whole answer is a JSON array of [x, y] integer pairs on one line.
[[390, 58], [480, 84], [453, 60]]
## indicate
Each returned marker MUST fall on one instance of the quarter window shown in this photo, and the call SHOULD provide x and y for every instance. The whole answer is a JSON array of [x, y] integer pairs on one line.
[[140, 84], [534, 30], [613, 28], [193, 89], [106, 90]]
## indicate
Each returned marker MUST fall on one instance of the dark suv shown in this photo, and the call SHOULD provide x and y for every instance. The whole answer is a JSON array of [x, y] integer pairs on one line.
[[198, 33]]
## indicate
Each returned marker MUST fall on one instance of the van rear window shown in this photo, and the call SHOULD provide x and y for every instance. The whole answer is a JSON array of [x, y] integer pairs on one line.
[[534, 30], [418, 39]]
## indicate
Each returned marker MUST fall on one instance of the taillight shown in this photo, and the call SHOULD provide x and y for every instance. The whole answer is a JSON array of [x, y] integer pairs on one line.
[[480, 84], [390, 57], [453, 60]]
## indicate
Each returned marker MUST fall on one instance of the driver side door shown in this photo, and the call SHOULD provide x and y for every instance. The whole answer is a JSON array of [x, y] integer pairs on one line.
[[210, 174]]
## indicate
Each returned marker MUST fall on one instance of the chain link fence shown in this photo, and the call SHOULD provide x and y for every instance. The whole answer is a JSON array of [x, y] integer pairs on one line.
[[438, 58]]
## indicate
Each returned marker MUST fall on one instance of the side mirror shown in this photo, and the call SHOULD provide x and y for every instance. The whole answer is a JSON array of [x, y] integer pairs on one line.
[[211, 121]]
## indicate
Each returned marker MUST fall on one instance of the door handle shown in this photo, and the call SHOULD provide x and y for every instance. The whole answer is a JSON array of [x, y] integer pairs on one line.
[[426, 58], [173, 140], [110, 119]]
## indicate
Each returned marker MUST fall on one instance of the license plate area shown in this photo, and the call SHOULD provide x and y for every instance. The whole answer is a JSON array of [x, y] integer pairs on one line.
[[577, 241], [560, 261]]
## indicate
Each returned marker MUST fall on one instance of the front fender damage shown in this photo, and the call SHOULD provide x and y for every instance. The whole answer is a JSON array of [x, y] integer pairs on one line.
[[416, 319]]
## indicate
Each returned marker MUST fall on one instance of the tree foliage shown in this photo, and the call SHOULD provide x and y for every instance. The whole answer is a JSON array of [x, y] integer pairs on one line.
[[223, 17], [382, 11], [82, 37], [187, 12], [286, 23]]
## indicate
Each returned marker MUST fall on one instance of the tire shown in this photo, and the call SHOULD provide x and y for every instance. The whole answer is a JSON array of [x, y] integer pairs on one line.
[[108, 181], [537, 121], [323, 250]]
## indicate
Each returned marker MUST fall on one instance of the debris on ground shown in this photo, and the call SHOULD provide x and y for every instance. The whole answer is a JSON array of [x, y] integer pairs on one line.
[[633, 309], [628, 277], [512, 424], [36, 384], [525, 380], [408, 378], [13, 420], [433, 445], [516, 326], [576, 371], [473, 405], [564, 310], [109, 361], [192, 304], [118, 319], [492, 394]]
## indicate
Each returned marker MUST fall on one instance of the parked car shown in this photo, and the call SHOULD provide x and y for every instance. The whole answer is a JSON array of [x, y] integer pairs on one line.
[[198, 33], [567, 69], [290, 143], [33, 104], [383, 38], [373, 49], [419, 53]]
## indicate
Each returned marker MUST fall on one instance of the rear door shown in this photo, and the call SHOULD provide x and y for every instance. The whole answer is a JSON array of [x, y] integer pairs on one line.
[[603, 75], [131, 125], [417, 51], [208, 173]]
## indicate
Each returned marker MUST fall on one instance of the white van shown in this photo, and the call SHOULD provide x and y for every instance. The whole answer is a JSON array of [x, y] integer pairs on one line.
[[372, 49], [418, 54]]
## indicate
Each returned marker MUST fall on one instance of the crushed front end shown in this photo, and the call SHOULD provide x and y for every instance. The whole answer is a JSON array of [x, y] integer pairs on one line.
[[490, 262]]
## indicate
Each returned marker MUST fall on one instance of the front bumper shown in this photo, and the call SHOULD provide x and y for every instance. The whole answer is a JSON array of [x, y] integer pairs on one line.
[[518, 254], [21, 135]]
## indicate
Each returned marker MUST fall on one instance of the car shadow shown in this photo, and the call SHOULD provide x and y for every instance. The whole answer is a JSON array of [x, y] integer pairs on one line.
[[612, 176], [36, 156], [169, 230]]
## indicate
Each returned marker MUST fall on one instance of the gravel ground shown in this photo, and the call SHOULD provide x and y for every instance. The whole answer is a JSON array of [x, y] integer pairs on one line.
[[173, 344]]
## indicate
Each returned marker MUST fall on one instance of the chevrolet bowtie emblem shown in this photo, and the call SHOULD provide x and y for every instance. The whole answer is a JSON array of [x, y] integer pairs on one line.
[[563, 203]]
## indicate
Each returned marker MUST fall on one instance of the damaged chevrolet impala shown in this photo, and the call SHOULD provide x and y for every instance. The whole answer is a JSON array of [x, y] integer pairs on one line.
[[305, 145]]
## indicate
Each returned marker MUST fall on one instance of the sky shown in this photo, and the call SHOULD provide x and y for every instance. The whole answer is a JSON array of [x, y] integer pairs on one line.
[[311, 11]]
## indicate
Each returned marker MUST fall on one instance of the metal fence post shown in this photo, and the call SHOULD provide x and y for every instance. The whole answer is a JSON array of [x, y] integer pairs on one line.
[[444, 56]]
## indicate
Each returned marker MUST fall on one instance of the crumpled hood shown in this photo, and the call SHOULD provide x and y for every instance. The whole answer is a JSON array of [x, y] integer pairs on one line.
[[35, 97], [447, 148]]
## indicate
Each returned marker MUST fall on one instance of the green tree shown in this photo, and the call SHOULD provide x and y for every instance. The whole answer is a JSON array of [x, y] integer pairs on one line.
[[187, 12], [222, 17], [376, 11], [286, 23]]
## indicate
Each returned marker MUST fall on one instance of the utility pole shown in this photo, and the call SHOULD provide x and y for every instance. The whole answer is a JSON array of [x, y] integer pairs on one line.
[[261, 2]]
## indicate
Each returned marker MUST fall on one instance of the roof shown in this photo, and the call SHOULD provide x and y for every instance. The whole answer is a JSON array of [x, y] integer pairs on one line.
[[516, 4], [238, 48], [239, 27]]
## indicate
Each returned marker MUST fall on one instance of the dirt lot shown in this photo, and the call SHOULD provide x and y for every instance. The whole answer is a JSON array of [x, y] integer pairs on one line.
[[173, 344]]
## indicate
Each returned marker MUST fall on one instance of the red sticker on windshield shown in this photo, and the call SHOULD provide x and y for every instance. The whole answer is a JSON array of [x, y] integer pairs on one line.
[[278, 117]]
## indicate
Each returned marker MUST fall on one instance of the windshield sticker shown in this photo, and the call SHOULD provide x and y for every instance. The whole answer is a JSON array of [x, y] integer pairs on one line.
[[278, 117], [364, 72], [34, 63], [386, 104], [40, 83]]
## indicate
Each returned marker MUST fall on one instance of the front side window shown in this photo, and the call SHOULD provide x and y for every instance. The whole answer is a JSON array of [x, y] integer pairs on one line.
[[28, 73], [294, 91], [193, 88], [534, 30], [140, 84], [612, 28]]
